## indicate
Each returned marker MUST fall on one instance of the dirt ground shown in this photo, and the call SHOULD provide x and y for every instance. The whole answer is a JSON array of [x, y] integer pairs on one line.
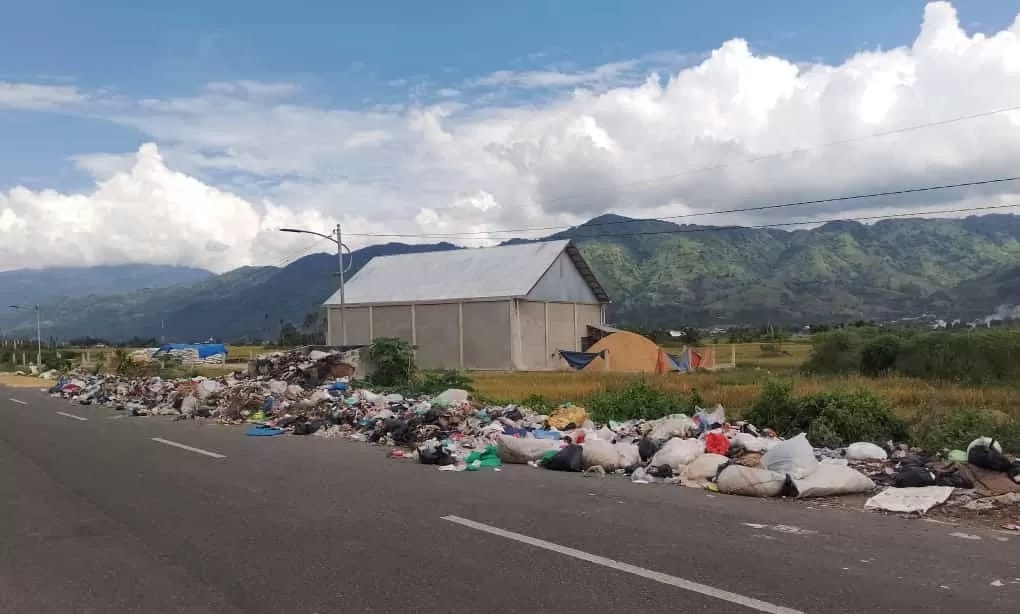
[[22, 381]]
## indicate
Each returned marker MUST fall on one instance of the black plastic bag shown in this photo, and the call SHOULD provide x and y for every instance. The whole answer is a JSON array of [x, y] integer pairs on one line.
[[437, 455], [567, 459], [987, 457], [307, 428], [514, 414], [662, 471], [954, 479], [913, 477], [1014, 471], [647, 449]]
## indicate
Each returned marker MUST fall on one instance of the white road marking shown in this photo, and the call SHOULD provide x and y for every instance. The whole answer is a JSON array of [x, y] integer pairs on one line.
[[18, 401], [188, 448], [66, 415], [687, 585]]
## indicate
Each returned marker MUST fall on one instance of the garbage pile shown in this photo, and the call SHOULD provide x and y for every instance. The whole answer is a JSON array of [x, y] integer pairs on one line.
[[311, 393]]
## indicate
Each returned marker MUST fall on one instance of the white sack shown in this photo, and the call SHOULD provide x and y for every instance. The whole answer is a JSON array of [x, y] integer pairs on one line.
[[918, 499], [629, 455], [676, 425], [605, 434], [453, 396], [598, 452], [514, 451], [863, 451], [750, 482], [678, 452], [831, 479], [206, 388], [704, 467], [794, 456]]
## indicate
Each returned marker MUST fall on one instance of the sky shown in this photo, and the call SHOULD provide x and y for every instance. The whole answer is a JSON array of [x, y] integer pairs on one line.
[[189, 134]]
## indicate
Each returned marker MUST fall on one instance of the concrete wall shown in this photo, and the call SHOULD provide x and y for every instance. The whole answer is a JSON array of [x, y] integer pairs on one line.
[[534, 354], [437, 335], [358, 321], [392, 321], [487, 341], [562, 283], [587, 315]]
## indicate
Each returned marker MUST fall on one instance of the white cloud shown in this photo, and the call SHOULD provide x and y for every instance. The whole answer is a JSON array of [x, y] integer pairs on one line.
[[715, 135], [31, 96]]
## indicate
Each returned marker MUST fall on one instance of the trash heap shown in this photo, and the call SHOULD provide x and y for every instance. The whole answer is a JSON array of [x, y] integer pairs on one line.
[[310, 392]]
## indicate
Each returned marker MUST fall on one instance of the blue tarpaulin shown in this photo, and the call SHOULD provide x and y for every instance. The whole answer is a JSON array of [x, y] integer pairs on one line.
[[205, 350], [580, 360]]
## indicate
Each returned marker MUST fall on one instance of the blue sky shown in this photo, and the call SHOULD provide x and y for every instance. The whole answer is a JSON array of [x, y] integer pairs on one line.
[[218, 120], [361, 53]]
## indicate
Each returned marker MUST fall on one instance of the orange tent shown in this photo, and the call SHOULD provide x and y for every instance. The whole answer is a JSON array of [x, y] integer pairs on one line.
[[628, 352]]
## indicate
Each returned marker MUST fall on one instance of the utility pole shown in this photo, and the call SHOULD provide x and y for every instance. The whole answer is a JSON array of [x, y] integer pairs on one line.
[[341, 269]]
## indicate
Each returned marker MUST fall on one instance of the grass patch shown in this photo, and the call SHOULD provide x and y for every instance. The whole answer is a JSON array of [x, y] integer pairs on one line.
[[954, 430]]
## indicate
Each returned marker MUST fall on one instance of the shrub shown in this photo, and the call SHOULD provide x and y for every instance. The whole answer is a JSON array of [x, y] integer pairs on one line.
[[435, 382], [831, 419], [636, 401], [878, 357], [954, 429], [393, 359]]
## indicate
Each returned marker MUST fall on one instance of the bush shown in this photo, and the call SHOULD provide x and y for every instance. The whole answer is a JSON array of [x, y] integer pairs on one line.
[[637, 401], [972, 356], [878, 357], [393, 360], [955, 429], [435, 382], [832, 419]]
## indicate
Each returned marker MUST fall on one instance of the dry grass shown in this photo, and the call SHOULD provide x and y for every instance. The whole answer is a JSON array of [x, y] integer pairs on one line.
[[737, 390], [22, 381]]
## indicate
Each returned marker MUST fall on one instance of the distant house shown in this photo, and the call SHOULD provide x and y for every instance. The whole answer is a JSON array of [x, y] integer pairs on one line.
[[500, 308]]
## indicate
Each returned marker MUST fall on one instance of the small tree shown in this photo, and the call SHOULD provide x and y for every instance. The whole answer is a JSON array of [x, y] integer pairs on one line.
[[393, 359]]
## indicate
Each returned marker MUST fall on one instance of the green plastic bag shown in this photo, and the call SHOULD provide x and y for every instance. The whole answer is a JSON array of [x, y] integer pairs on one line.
[[487, 459]]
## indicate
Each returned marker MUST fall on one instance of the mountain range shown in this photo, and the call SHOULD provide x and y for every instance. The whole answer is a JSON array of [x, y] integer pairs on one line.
[[659, 274]]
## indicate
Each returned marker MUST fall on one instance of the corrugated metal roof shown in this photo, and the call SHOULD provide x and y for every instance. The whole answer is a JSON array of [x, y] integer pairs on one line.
[[508, 271]]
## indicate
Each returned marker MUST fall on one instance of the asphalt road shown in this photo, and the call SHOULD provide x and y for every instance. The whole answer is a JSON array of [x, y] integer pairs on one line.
[[102, 518]]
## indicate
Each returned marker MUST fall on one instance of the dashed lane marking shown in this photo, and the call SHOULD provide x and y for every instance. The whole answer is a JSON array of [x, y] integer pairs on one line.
[[67, 415], [687, 585], [167, 442], [18, 401]]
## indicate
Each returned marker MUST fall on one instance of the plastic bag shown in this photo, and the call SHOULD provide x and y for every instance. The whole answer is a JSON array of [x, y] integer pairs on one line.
[[717, 443], [864, 451], [513, 450], [647, 449], [570, 458], [794, 457], [914, 477], [1014, 471], [985, 441], [750, 482], [562, 418], [704, 467], [487, 458], [830, 480], [433, 453], [909, 499], [678, 452], [988, 456], [602, 453]]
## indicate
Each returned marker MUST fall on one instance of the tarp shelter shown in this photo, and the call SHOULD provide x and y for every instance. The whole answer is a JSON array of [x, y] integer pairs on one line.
[[194, 353], [626, 352], [690, 359]]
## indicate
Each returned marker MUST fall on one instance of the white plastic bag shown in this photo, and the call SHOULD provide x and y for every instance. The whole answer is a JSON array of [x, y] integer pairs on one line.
[[985, 441], [512, 450], [704, 467], [678, 452], [605, 434], [919, 499], [863, 451], [831, 479], [598, 452], [750, 482], [794, 456]]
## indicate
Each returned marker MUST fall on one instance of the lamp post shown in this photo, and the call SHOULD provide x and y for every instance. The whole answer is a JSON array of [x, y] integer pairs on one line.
[[340, 247], [38, 333]]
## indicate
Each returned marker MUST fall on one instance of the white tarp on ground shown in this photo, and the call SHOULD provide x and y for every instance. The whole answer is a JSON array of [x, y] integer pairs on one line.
[[920, 499]]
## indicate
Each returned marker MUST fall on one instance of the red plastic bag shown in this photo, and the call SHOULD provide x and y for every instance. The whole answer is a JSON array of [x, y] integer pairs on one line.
[[717, 443]]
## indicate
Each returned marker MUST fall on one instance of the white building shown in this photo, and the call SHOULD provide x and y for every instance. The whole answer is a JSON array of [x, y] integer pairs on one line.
[[500, 308]]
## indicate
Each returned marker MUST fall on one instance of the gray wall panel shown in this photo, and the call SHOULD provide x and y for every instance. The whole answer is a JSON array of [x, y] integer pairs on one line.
[[487, 335], [438, 336]]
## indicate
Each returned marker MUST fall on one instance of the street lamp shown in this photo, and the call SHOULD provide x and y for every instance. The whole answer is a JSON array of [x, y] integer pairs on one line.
[[340, 247], [38, 333]]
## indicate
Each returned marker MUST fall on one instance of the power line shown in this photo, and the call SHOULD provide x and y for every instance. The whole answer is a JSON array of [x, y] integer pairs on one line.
[[703, 213], [684, 230]]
